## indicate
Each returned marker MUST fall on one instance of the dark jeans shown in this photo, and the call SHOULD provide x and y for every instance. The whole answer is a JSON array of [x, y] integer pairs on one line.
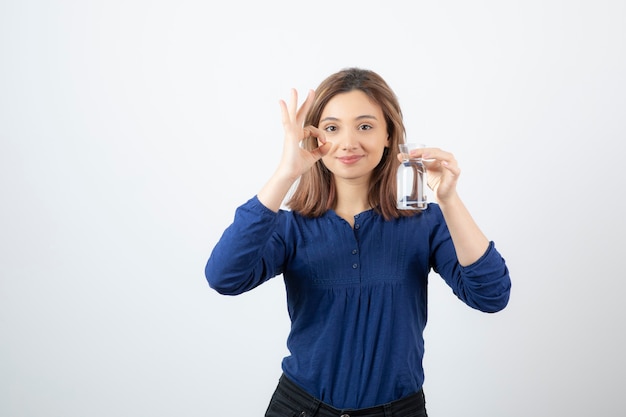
[[289, 400]]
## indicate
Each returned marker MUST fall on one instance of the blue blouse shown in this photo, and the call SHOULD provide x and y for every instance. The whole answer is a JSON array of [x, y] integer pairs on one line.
[[357, 297]]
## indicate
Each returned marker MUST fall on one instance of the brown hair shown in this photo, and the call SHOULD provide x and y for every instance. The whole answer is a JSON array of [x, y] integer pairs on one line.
[[315, 193]]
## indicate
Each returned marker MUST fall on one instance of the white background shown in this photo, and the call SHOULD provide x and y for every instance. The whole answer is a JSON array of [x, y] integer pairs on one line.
[[131, 130]]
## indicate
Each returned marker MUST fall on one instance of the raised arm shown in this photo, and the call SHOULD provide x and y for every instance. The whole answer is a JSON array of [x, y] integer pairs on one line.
[[249, 251], [479, 275], [443, 172]]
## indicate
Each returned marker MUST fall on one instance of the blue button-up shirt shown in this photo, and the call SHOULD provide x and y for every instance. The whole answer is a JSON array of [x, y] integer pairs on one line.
[[357, 296]]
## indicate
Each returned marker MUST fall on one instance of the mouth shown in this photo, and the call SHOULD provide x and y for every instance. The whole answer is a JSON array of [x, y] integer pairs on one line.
[[350, 159]]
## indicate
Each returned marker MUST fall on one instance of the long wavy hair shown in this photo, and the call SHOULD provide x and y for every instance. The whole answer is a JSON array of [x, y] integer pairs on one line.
[[315, 192]]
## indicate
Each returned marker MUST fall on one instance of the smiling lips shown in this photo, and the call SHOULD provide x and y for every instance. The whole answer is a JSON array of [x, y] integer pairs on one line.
[[350, 159]]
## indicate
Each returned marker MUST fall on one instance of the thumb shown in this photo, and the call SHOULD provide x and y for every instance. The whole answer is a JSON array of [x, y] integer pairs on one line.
[[320, 151]]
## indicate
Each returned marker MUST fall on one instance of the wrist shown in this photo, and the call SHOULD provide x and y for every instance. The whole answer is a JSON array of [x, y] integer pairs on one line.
[[285, 176], [450, 201]]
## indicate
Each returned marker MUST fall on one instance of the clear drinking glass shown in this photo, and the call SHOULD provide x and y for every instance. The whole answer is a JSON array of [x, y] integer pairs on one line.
[[411, 179]]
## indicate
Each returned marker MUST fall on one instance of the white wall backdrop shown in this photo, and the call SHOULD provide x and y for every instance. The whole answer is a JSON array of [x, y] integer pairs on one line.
[[130, 131]]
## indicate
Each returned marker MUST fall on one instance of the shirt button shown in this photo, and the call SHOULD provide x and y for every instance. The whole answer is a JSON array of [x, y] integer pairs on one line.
[[354, 251], [356, 216], [356, 226], [355, 266], [345, 415]]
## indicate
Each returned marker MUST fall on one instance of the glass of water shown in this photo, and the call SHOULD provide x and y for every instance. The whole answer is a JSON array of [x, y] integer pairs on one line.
[[411, 191]]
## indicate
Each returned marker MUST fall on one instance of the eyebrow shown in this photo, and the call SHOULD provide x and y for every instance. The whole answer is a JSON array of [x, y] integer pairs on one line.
[[364, 116]]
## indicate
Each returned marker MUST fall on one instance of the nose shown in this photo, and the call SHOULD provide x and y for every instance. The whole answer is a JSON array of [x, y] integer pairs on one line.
[[348, 143]]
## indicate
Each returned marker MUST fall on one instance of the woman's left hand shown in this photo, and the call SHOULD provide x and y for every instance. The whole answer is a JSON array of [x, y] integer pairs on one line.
[[442, 171]]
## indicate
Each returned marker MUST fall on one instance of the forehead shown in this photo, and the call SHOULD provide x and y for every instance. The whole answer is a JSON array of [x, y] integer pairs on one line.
[[352, 104]]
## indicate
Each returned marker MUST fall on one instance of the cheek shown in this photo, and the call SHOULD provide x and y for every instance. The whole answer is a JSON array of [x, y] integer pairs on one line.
[[378, 151], [380, 156], [327, 160]]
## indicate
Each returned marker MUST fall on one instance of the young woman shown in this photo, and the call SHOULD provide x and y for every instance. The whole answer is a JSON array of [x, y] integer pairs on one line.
[[355, 266]]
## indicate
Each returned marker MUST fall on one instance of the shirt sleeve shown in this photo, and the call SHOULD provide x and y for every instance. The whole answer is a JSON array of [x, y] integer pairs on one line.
[[249, 252], [484, 285]]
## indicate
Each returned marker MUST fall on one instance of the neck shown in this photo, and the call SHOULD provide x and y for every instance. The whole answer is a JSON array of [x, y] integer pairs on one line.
[[351, 199]]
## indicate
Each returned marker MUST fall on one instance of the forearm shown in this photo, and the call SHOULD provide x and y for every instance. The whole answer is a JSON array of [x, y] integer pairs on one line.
[[469, 241], [274, 191]]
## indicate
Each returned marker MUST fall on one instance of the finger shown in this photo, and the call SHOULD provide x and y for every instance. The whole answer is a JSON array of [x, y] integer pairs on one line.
[[284, 112], [293, 104], [322, 150], [318, 133], [434, 153], [434, 158], [304, 109], [452, 167]]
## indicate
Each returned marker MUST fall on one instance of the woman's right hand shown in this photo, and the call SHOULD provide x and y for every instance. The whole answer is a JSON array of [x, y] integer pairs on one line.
[[296, 160]]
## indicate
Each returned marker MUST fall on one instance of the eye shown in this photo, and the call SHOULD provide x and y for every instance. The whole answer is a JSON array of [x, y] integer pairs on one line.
[[365, 126], [330, 128]]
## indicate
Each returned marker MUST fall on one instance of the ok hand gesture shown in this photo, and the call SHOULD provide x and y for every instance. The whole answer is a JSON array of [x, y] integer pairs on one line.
[[296, 160]]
